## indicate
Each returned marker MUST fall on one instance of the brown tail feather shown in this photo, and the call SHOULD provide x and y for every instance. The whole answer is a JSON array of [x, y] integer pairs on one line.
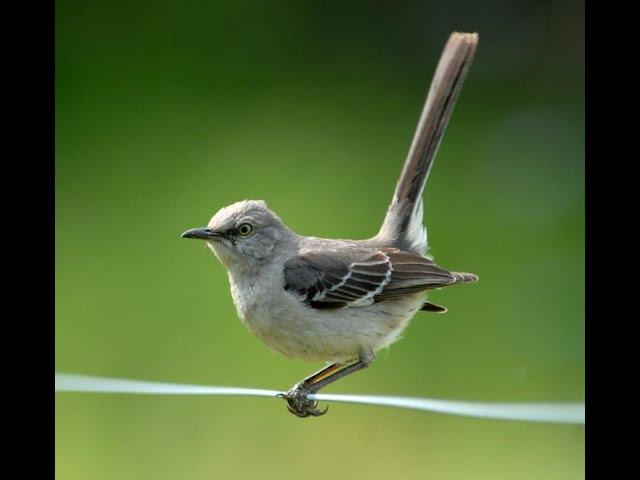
[[403, 226]]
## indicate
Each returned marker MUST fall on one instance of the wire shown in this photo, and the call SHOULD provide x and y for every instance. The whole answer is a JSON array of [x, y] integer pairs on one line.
[[555, 412]]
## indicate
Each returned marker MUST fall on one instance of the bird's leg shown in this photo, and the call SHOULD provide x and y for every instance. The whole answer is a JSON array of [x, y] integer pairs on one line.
[[296, 397], [320, 374]]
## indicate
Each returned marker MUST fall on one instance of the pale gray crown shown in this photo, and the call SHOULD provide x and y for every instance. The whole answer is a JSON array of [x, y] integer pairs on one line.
[[267, 232]]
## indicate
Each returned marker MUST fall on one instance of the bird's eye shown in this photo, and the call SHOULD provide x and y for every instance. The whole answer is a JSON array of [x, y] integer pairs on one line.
[[245, 229]]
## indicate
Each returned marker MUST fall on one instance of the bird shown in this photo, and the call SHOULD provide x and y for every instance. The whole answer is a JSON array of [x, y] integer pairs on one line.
[[341, 301]]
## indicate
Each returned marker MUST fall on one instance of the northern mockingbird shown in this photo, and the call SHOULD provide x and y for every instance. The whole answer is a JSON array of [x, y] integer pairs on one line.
[[341, 301]]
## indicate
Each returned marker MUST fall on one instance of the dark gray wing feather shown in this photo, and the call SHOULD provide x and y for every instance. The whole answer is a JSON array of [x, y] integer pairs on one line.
[[361, 276], [338, 278], [413, 273]]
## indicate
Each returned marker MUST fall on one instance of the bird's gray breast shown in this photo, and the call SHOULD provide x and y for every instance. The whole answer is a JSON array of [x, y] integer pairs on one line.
[[243, 292], [256, 297]]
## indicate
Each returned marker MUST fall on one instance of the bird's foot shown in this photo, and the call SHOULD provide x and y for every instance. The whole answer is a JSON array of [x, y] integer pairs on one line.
[[299, 404]]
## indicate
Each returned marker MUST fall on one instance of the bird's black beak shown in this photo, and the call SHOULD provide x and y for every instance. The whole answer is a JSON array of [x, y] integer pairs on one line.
[[202, 233]]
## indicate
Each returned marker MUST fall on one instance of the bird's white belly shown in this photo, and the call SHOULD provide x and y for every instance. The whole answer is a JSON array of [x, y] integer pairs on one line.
[[287, 325]]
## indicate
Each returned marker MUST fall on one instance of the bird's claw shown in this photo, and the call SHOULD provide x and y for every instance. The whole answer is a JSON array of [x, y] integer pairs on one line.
[[300, 405]]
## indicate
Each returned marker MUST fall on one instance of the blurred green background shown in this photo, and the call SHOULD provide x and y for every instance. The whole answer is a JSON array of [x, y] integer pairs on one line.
[[167, 111]]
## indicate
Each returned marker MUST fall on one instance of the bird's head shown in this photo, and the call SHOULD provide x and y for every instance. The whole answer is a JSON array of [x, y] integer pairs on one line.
[[244, 235]]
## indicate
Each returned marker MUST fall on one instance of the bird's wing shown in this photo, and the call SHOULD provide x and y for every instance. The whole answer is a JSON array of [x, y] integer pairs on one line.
[[353, 277]]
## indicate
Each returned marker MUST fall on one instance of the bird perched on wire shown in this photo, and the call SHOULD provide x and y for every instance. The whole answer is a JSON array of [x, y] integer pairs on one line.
[[341, 301]]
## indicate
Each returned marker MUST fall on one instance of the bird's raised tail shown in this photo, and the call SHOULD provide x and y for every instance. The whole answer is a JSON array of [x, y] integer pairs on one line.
[[403, 226]]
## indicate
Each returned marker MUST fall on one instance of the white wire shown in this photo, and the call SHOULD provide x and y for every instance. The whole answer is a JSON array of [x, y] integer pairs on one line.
[[555, 412], [82, 383]]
